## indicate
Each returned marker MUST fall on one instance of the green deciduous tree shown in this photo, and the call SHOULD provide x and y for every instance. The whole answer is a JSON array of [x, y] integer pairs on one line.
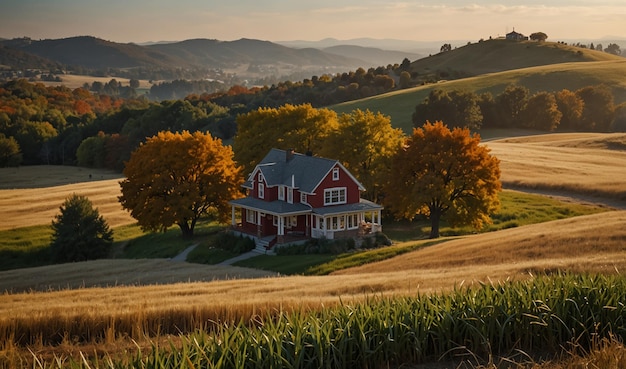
[[538, 36], [571, 107], [80, 232], [541, 112], [458, 108], [91, 152], [510, 103], [176, 178], [598, 110], [10, 155], [613, 49], [443, 173]]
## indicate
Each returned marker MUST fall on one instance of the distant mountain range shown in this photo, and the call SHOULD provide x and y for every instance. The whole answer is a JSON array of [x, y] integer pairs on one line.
[[94, 53]]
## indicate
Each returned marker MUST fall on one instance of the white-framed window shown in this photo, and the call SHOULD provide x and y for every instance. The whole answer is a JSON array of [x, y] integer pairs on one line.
[[281, 193], [275, 220], [336, 223], [291, 222], [333, 196], [303, 198], [353, 221], [261, 190], [290, 195], [261, 177], [335, 174], [251, 216]]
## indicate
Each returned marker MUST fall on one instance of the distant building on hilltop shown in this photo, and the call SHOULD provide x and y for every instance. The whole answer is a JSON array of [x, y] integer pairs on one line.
[[515, 36]]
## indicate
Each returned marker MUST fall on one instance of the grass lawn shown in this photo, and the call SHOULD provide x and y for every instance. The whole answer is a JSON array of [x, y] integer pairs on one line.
[[28, 247], [25, 247], [287, 264], [167, 244]]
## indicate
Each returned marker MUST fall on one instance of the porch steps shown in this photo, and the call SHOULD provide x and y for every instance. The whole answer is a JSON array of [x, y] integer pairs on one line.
[[263, 245]]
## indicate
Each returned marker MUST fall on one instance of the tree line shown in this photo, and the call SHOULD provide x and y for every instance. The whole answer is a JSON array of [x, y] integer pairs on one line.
[[48, 125], [589, 108]]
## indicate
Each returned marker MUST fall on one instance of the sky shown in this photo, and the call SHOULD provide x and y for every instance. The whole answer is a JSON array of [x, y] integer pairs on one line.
[[141, 21]]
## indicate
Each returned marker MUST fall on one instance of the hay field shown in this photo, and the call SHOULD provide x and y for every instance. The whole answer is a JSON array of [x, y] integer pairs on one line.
[[586, 164], [32, 195], [594, 243], [75, 81]]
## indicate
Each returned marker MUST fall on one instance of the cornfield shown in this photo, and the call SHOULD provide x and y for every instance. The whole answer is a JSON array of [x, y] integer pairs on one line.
[[534, 316]]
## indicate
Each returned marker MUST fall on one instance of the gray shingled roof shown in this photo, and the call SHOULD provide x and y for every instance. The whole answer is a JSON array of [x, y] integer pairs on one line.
[[363, 205], [307, 171], [273, 207]]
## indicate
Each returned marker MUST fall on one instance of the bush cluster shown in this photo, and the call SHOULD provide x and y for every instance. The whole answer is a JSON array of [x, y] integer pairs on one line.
[[236, 244], [333, 247]]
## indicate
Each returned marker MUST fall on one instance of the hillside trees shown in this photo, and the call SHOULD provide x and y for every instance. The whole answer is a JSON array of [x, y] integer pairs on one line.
[[10, 155], [176, 178], [598, 109], [511, 102], [538, 36], [444, 174], [79, 232], [613, 49], [571, 107], [541, 112], [459, 108]]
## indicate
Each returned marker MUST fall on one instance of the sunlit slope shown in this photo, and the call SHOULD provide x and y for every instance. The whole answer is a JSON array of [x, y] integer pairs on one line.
[[499, 55], [580, 164], [400, 105], [593, 243]]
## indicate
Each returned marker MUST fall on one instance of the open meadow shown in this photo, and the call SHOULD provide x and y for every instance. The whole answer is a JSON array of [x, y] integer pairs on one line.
[[574, 167]]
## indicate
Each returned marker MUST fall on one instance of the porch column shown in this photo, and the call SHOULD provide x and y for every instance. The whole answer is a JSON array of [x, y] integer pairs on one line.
[[281, 229], [259, 227], [233, 222]]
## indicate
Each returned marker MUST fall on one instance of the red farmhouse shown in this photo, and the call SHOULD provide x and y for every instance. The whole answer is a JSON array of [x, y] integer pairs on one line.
[[294, 197]]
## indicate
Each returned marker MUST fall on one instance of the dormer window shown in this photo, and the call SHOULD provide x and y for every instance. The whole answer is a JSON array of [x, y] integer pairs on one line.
[[261, 190], [335, 174], [281, 193], [290, 195], [303, 198]]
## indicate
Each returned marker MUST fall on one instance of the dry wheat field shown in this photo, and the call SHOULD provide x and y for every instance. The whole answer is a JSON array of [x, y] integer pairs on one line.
[[107, 295], [574, 164], [32, 195]]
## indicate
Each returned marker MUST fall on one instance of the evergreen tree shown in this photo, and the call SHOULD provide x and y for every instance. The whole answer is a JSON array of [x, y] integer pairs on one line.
[[80, 232]]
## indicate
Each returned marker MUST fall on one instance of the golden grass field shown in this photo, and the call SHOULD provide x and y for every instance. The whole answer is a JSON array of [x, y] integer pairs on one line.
[[575, 165], [33, 195], [90, 294], [76, 81]]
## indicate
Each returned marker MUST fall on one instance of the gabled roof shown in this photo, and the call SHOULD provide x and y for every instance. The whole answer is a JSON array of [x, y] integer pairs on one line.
[[306, 171]]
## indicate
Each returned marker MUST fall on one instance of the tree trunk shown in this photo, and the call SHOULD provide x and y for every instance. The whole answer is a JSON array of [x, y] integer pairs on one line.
[[435, 217], [186, 230]]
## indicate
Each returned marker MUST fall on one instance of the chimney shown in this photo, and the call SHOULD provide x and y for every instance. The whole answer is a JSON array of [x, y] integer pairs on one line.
[[289, 154]]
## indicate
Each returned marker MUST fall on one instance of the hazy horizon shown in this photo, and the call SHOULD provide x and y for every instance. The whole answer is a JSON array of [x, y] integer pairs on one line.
[[142, 21]]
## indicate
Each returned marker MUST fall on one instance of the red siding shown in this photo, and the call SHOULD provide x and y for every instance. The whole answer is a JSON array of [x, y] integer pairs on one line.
[[352, 189]]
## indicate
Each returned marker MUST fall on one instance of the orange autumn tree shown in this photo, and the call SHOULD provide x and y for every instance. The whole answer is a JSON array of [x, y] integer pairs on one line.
[[443, 173], [176, 178]]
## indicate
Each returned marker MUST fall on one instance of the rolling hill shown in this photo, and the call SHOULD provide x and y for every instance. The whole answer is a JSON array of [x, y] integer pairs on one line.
[[94, 53], [537, 66]]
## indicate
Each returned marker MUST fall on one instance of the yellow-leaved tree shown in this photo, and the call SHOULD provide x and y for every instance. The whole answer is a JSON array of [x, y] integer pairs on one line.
[[175, 178], [365, 143], [443, 173], [299, 127]]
